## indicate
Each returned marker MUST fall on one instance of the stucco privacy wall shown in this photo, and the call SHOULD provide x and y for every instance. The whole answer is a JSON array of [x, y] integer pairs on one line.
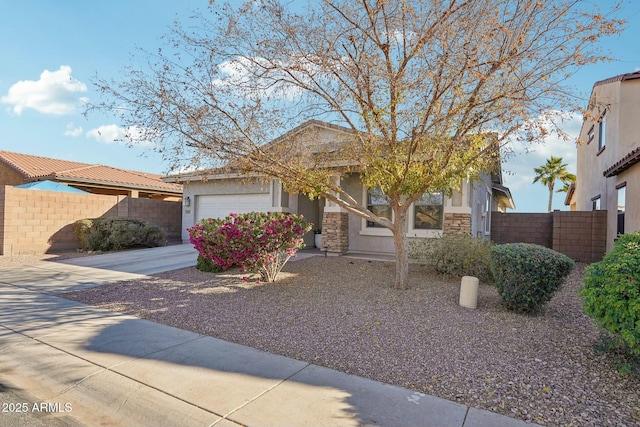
[[33, 221], [581, 235]]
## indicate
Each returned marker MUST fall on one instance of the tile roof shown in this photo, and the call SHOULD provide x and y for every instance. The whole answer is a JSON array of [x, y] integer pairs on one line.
[[623, 164], [34, 168], [619, 78]]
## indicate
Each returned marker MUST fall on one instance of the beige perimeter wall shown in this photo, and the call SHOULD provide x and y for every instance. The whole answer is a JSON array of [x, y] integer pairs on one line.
[[34, 221]]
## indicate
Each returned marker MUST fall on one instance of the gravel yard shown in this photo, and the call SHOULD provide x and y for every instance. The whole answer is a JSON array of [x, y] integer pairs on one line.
[[344, 314]]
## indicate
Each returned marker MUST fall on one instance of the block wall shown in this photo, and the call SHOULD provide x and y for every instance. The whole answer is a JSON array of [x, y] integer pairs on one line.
[[35, 221], [166, 214], [536, 228], [581, 235]]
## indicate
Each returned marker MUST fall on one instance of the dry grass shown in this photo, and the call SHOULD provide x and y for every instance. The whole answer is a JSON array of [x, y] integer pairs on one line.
[[343, 313]]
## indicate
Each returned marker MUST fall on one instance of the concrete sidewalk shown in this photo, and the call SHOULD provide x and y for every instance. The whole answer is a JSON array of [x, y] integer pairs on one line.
[[87, 365]]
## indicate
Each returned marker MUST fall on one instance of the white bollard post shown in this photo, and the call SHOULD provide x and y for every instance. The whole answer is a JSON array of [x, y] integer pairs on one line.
[[469, 292]]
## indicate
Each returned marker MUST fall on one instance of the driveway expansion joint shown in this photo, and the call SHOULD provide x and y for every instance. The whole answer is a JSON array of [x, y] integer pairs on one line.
[[259, 395]]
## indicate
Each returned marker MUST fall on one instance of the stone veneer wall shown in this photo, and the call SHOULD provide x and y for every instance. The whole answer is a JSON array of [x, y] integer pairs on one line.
[[457, 223], [335, 232]]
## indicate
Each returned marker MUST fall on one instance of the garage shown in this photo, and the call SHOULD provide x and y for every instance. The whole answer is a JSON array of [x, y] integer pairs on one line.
[[219, 206]]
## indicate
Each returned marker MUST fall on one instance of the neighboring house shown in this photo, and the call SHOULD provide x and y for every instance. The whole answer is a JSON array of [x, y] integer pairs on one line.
[[216, 193], [17, 168], [608, 173]]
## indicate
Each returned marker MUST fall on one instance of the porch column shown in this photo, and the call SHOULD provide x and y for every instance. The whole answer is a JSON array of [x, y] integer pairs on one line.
[[279, 197], [335, 227]]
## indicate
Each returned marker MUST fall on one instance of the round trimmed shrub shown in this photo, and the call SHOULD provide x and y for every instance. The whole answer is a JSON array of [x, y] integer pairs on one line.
[[527, 275], [611, 293]]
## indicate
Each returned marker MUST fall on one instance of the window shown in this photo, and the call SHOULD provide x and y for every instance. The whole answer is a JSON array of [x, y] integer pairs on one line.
[[595, 203], [622, 199], [590, 134], [602, 130], [428, 211], [378, 203], [487, 216]]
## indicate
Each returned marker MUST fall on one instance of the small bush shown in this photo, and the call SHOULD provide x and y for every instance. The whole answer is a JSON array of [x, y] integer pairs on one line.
[[81, 230], [206, 265], [528, 275], [259, 242], [611, 293], [112, 234], [455, 255]]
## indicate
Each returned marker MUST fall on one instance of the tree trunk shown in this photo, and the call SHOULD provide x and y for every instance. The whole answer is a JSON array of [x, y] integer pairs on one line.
[[402, 249], [550, 197]]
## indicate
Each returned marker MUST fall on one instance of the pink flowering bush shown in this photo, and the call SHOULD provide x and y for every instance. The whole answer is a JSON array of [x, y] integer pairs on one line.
[[259, 242]]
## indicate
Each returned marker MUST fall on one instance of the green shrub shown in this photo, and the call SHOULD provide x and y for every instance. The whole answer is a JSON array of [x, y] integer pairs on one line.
[[455, 255], [111, 234], [81, 230], [611, 294], [528, 275], [208, 266]]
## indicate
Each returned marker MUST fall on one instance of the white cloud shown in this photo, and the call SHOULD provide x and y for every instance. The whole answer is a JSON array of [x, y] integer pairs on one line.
[[114, 134], [518, 168], [108, 134], [256, 77], [73, 131], [55, 93]]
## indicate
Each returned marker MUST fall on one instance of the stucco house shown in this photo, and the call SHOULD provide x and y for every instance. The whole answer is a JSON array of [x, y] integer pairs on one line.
[[216, 193], [608, 173], [18, 168]]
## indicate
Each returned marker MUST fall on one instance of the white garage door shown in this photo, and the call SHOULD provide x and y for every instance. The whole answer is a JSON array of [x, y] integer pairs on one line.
[[219, 206]]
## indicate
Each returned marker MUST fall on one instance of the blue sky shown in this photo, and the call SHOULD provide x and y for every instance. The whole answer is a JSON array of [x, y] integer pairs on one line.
[[51, 50]]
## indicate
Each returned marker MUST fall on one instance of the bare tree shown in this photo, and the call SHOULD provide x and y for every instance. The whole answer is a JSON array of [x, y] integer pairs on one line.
[[432, 89]]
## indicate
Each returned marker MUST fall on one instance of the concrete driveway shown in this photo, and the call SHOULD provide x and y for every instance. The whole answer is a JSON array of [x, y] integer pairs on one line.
[[141, 261]]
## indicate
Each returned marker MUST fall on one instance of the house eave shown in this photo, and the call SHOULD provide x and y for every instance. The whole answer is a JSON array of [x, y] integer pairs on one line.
[[569, 196], [222, 174], [108, 184], [623, 164], [619, 78], [503, 194], [208, 175]]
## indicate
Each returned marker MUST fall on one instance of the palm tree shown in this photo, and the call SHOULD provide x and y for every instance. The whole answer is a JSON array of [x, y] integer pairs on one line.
[[552, 171]]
